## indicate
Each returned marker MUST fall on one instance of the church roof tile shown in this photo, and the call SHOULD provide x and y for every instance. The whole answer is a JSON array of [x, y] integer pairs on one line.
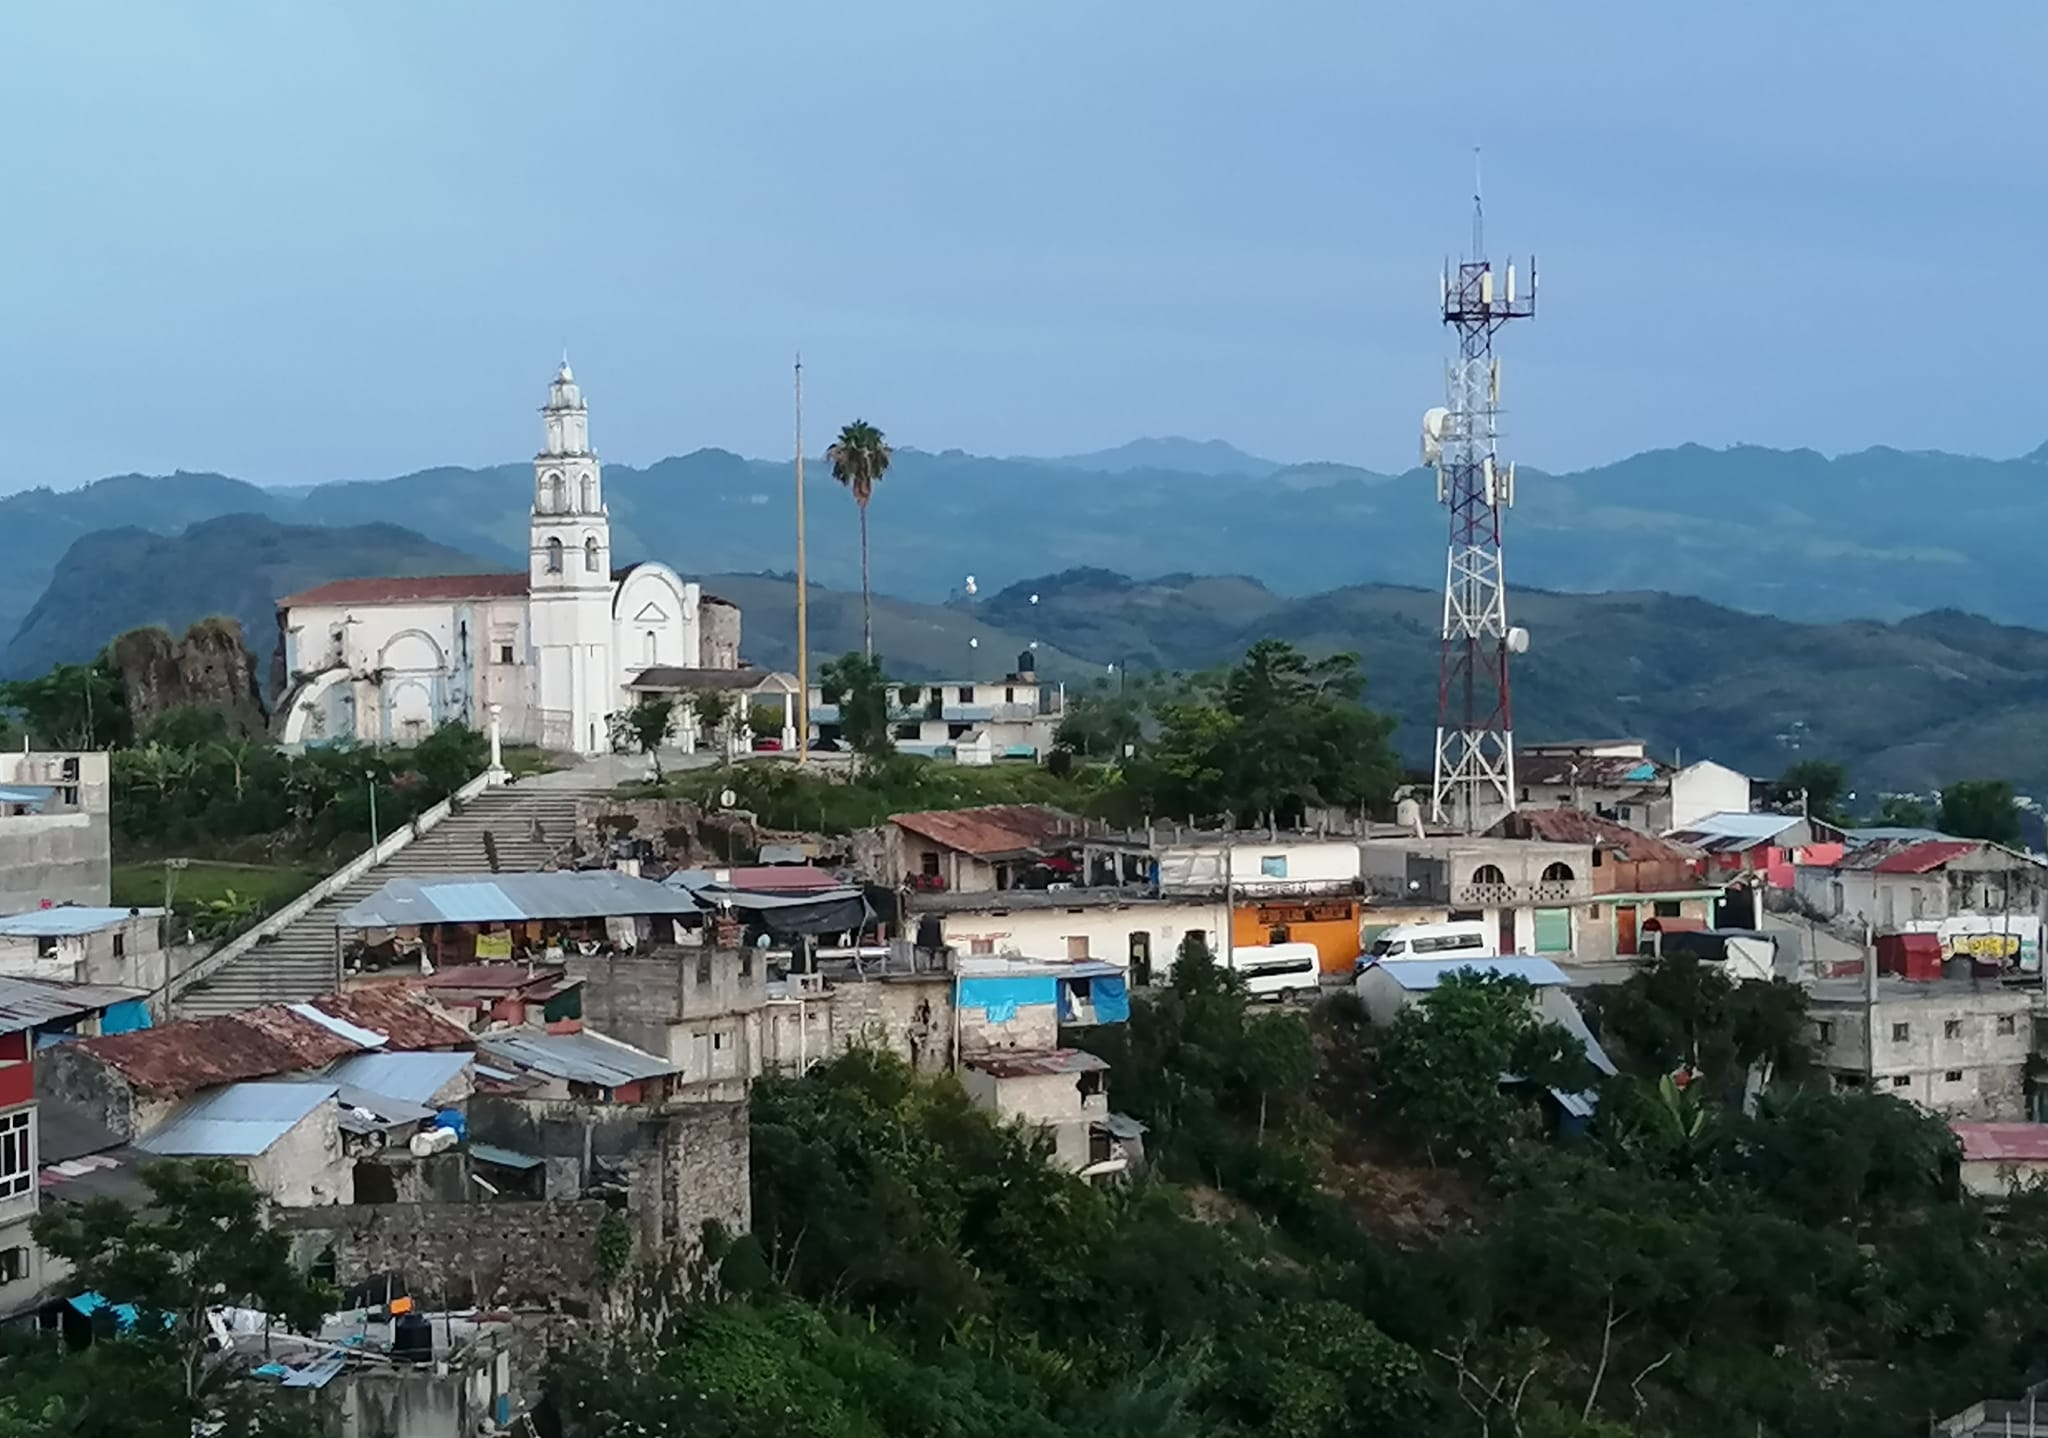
[[409, 590]]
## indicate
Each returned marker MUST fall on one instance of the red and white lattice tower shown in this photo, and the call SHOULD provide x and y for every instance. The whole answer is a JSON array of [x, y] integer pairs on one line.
[[1475, 741]]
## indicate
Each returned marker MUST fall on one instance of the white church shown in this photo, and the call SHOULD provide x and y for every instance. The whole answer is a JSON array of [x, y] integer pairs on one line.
[[551, 654]]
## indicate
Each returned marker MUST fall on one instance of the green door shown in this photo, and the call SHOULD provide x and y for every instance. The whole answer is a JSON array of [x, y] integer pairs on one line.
[[1553, 931]]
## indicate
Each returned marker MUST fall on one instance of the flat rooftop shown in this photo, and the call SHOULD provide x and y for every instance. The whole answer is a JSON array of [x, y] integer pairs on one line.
[[1851, 991]]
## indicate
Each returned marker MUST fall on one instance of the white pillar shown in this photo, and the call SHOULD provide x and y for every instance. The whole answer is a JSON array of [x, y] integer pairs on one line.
[[497, 769], [789, 722]]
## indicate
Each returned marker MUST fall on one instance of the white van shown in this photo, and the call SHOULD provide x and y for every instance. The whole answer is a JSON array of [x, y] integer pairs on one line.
[[1279, 971], [1464, 939]]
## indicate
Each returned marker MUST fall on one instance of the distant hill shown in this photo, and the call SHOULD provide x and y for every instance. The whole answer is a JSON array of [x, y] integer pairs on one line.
[[1910, 705], [114, 580], [1880, 534], [1172, 453]]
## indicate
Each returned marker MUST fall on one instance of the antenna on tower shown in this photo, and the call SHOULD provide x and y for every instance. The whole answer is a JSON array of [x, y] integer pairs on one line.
[[1478, 210]]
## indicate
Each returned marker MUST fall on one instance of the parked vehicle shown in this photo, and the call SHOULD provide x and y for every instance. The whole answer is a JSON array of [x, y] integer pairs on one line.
[[1279, 971], [1462, 938]]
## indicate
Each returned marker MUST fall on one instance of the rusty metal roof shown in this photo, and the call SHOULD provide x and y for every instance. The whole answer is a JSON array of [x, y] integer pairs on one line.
[[2003, 1142], [1923, 857], [1589, 771], [30, 1003], [411, 590], [202, 1053], [994, 830], [1575, 826], [407, 1018], [261, 1043]]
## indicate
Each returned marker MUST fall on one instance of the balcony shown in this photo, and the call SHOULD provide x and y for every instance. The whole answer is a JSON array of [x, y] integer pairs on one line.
[[1513, 896]]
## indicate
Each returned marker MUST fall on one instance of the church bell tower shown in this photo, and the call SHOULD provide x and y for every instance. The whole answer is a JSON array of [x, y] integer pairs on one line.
[[570, 578]]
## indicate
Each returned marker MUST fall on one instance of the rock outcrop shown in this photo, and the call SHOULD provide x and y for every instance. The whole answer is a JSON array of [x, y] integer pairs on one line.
[[210, 666]]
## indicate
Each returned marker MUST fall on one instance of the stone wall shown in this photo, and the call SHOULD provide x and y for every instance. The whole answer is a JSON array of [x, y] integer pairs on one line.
[[911, 1017], [720, 630], [54, 859], [671, 825], [512, 1252]]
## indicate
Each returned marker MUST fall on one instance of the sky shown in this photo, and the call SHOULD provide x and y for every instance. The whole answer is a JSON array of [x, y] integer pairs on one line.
[[297, 243]]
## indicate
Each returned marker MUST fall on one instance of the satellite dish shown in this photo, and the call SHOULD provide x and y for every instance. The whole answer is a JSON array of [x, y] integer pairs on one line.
[[1518, 640], [726, 798]]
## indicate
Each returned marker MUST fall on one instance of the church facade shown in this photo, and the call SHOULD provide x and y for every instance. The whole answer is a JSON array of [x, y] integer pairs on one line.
[[554, 651]]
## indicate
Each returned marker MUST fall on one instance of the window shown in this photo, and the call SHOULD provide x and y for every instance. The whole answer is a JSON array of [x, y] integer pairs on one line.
[[981, 946], [13, 1264], [1902, 1080], [1010, 694], [906, 731], [966, 692], [554, 556], [718, 1042], [928, 864], [1488, 874], [504, 654], [554, 493], [704, 969], [1666, 908], [2005, 1024], [1277, 934], [590, 494], [1596, 858], [1593, 910], [1825, 1031], [1077, 946], [1848, 1080], [1952, 1028], [1273, 866], [1626, 815], [1558, 874], [1952, 1076], [1901, 1032], [17, 1162], [746, 961], [649, 647], [590, 554], [120, 945]]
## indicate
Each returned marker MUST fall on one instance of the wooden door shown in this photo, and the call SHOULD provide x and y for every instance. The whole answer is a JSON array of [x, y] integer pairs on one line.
[[1624, 929]]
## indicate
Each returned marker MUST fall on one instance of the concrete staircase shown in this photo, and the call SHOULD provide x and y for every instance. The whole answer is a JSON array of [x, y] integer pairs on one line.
[[299, 963]]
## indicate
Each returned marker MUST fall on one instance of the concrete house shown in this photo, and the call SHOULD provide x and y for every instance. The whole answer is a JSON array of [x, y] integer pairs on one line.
[[1983, 899], [88, 945], [55, 841], [1063, 1093], [285, 1136], [1956, 1046]]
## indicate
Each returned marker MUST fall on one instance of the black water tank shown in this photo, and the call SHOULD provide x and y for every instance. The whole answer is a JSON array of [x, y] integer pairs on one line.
[[1027, 663], [412, 1338]]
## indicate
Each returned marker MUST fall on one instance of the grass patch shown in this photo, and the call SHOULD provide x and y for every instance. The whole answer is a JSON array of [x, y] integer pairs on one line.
[[140, 884], [826, 800]]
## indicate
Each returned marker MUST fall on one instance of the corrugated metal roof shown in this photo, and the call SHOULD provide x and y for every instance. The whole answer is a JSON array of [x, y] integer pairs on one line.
[[240, 1121], [2003, 1142], [1751, 828], [415, 1077], [1926, 855], [995, 829], [26, 793], [503, 1157], [68, 919], [506, 898], [1418, 975], [1575, 826], [253, 1044], [582, 1057], [405, 1017], [1055, 1061], [31, 1003]]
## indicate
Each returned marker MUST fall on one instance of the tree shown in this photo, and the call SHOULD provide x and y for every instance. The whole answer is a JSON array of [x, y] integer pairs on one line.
[[1271, 738], [199, 1243], [1818, 785], [711, 708], [1903, 811], [859, 458], [1443, 1062], [1981, 809], [1677, 1013], [862, 692], [74, 706], [645, 725]]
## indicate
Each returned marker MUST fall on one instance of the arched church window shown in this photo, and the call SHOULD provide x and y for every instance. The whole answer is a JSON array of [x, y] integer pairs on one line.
[[554, 494], [590, 554], [650, 647], [554, 556], [590, 494]]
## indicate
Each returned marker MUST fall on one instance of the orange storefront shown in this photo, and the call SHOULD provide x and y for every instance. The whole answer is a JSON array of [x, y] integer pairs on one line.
[[1330, 924]]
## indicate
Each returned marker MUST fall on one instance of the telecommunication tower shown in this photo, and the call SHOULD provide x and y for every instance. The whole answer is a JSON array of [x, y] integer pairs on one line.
[[1475, 740]]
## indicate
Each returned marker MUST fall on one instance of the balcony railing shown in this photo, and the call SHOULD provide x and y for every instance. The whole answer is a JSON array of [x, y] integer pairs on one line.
[[1508, 896]]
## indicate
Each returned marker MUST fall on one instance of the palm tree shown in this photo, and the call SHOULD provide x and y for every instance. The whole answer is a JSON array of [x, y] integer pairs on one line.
[[859, 459]]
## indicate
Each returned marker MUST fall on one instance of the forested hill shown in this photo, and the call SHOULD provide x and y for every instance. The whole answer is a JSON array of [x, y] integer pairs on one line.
[[1908, 706], [1880, 534]]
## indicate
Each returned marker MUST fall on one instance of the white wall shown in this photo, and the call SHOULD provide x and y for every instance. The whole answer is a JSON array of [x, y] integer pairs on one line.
[[1044, 933], [1245, 861], [304, 1169], [655, 620], [1706, 788], [419, 648]]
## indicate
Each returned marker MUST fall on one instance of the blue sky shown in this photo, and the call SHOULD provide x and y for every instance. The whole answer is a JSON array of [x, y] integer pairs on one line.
[[305, 242]]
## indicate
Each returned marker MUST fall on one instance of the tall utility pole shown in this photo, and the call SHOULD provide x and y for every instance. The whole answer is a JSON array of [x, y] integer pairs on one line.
[[1475, 740], [803, 599]]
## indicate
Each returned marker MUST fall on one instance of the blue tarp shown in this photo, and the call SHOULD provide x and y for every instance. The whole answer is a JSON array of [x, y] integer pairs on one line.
[[125, 1018], [1002, 996], [1112, 1000]]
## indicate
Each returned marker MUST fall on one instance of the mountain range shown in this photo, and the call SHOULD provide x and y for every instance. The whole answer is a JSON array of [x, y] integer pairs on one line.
[[1880, 534], [1908, 705]]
